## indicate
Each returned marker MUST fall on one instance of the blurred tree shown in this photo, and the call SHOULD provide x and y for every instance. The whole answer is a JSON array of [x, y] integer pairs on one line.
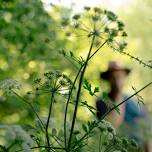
[[32, 38], [30, 43]]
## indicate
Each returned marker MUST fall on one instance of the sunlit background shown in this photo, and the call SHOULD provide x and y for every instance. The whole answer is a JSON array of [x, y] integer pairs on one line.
[[79, 4], [136, 15], [30, 43]]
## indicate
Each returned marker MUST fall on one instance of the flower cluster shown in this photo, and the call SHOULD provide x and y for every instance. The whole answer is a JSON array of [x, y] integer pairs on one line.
[[52, 82], [110, 137], [101, 23], [8, 85], [17, 132], [107, 129]]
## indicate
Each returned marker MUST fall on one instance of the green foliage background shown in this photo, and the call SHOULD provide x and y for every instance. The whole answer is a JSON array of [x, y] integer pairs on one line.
[[31, 41]]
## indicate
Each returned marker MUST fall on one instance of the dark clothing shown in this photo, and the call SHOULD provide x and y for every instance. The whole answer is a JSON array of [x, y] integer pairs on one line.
[[132, 112]]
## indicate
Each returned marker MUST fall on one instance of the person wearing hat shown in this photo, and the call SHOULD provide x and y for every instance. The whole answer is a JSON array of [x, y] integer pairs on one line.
[[116, 75]]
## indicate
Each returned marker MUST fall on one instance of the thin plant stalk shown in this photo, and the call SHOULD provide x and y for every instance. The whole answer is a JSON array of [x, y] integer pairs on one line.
[[127, 99], [86, 134], [33, 109], [78, 93], [48, 120], [66, 109], [49, 114], [38, 147], [71, 90]]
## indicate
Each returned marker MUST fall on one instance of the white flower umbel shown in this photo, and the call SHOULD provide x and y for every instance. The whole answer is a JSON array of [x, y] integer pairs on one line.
[[22, 134], [16, 131], [8, 85], [26, 147], [10, 134], [108, 126]]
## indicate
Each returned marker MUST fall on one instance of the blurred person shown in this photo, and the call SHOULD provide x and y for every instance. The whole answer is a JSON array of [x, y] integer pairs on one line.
[[130, 112]]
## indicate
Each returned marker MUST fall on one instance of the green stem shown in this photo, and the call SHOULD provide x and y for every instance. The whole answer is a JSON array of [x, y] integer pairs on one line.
[[57, 148], [78, 93], [100, 144], [48, 120], [69, 97], [109, 148], [98, 48], [127, 99], [67, 104], [31, 106], [86, 134]]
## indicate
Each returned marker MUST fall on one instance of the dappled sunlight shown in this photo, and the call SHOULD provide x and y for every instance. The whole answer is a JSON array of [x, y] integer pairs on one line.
[[53, 95]]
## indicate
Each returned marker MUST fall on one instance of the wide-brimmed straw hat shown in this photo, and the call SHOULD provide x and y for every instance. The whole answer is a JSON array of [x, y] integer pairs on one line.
[[114, 66]]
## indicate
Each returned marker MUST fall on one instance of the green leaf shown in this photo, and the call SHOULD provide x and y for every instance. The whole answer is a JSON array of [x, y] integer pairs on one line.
[[2, 148], [76, 132], [71, 54], [87, 85], [96, 89], [84, 127]]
